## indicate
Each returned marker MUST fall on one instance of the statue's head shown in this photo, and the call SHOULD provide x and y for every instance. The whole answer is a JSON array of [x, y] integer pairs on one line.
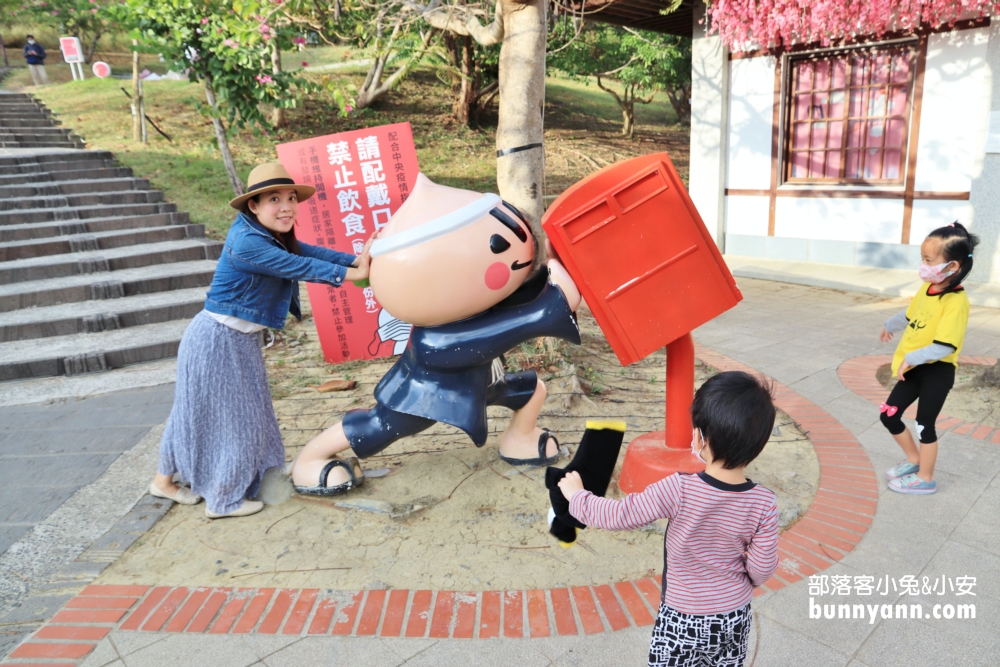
[[448, 254]]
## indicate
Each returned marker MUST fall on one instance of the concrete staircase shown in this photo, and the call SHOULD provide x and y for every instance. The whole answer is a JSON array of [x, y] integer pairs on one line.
[[26, 123], [96, 270]]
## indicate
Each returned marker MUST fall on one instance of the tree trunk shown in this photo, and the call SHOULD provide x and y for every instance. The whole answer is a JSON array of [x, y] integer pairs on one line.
[[680, 100], [3, 48], [521, 174], [466, 93], [628, 119], [136, 118], [93, 46], [220, 133], [278, 114]]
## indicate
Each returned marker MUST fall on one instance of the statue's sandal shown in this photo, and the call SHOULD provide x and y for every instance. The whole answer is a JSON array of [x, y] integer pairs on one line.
[[542, 460], [353, 469]]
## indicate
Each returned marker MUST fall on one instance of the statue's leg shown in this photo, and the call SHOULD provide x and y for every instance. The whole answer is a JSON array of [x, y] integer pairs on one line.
[[520, 440], [315, 455], [367, 432]]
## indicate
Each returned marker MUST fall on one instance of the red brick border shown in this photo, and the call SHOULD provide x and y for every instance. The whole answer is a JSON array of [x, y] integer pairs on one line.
[[833, 525], [858, 375]]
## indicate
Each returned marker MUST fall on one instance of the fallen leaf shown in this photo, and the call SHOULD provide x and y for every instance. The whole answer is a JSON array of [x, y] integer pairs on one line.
[[337, 385]]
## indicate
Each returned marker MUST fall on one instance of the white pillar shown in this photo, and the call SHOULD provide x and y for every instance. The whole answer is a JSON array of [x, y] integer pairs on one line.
[[709, 126], [986, 185]]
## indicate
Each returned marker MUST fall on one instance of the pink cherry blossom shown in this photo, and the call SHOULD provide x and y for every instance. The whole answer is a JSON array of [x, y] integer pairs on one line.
[[744, 24], [264, 79]]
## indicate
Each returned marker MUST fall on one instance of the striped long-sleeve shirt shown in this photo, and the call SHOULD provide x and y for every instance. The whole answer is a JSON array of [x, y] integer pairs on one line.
[[722, 539]]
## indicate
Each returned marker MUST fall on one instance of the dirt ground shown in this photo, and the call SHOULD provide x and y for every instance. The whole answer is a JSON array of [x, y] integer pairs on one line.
[[968, 400], [447, 515]]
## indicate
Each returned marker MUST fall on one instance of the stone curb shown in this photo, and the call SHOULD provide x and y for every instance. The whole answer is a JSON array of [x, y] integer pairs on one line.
[[858, 375], [833, 525]]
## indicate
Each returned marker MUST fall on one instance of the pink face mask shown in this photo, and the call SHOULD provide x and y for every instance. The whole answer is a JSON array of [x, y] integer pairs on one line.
[[933, 274], [697, 452]]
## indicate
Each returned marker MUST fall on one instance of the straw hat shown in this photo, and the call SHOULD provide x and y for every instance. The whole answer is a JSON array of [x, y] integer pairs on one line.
[[270, 176]]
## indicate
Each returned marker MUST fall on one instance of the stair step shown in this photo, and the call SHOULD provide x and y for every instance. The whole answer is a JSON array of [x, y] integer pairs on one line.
[[47, 230], [78, 199], [89, 352], [27, 122], [87, 287], [110, 260], [68, 155], [102, 315], [81, 213], [69, 175], [74, 243], [72, 142], [53, 188]]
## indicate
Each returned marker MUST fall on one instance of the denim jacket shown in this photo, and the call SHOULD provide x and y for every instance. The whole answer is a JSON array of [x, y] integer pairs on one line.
[[256, 278]]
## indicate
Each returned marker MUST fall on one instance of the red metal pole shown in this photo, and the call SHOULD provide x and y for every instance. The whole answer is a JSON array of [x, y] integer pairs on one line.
[[653, 456], [680, 392]]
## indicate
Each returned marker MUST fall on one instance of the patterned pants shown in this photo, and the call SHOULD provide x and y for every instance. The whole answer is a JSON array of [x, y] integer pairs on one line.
[[690, 640]]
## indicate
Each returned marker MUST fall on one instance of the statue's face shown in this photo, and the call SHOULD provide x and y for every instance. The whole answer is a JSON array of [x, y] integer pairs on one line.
[[458, 275]]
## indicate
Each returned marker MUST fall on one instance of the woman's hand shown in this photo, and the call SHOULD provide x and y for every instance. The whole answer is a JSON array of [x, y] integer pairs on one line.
[[903, 367], [359, 270], [571, 484], [885, 336]]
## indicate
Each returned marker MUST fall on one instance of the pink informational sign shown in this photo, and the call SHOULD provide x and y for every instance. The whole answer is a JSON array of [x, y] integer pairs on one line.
[[361, 177], [72, 51]]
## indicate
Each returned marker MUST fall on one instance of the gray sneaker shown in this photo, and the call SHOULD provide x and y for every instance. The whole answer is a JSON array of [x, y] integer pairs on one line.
[[901, 470]]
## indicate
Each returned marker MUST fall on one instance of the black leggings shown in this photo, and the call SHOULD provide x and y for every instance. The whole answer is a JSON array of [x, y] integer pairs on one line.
[[928, 382]]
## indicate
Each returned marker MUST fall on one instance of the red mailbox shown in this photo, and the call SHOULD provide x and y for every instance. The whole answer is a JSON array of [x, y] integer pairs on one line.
[[636, 247]]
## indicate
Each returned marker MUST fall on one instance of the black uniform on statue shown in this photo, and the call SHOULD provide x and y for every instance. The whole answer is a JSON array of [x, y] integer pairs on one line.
[[447, 373]]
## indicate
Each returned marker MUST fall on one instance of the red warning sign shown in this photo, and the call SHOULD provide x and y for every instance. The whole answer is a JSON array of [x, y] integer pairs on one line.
[[361, 177]]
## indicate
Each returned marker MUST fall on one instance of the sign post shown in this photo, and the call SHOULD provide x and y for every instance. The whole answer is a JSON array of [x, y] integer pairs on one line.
[[361, 178], [72, 53]]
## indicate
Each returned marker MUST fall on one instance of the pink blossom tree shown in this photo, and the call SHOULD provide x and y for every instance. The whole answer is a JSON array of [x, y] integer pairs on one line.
[[744, 24]]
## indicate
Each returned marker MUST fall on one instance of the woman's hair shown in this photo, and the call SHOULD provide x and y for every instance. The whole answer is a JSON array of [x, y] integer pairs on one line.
[[287, 239], [957, 245], [735, 413]]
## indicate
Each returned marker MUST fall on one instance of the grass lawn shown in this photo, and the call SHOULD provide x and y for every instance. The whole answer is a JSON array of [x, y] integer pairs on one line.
[[582, 130]]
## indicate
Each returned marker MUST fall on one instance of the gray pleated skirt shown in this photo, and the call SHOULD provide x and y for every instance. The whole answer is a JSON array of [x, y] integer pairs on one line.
[[222, 433]]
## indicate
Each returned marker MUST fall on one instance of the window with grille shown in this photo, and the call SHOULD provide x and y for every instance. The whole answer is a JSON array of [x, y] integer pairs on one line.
[[847, 115]]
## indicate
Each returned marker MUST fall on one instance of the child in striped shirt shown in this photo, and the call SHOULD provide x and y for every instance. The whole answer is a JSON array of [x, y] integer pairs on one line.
[[722, 540]]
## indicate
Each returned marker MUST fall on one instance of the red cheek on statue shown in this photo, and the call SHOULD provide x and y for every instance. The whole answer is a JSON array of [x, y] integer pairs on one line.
[[497, 275]]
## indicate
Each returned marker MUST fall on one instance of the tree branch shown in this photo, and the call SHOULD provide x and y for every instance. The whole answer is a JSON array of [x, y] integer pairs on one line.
[[608, 90], [461, 21]]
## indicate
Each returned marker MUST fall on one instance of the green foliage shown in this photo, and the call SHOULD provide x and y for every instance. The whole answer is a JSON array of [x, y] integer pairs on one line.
[[86, 19], [226, 45], [641, 62]]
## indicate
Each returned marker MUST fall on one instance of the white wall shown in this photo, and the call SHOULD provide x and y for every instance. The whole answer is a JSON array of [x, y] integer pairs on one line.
[[709, 89], [928, 215], [949, 150], [865, 220], [751, 111], [747, 215]]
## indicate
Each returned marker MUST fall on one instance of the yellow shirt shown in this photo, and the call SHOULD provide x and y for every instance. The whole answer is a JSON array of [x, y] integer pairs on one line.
[[934, 319]]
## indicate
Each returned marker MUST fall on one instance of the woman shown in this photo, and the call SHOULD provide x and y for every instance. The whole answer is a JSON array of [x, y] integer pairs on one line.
[[222, 434]]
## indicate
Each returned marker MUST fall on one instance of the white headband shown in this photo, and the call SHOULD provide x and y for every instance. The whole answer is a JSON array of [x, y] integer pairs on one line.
[[438, 226]]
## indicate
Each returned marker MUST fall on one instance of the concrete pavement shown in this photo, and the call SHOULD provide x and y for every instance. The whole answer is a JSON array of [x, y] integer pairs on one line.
[[799, 336]]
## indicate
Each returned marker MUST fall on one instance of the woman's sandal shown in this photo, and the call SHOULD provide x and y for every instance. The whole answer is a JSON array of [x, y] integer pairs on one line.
[[353, 469], [542, 460]]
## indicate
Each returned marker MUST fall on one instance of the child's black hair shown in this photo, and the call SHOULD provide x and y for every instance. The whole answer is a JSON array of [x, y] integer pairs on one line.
[[735, 412], [957, 246]]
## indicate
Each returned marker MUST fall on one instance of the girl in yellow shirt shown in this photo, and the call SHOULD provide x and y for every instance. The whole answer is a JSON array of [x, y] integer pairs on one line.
[[927, 354]]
